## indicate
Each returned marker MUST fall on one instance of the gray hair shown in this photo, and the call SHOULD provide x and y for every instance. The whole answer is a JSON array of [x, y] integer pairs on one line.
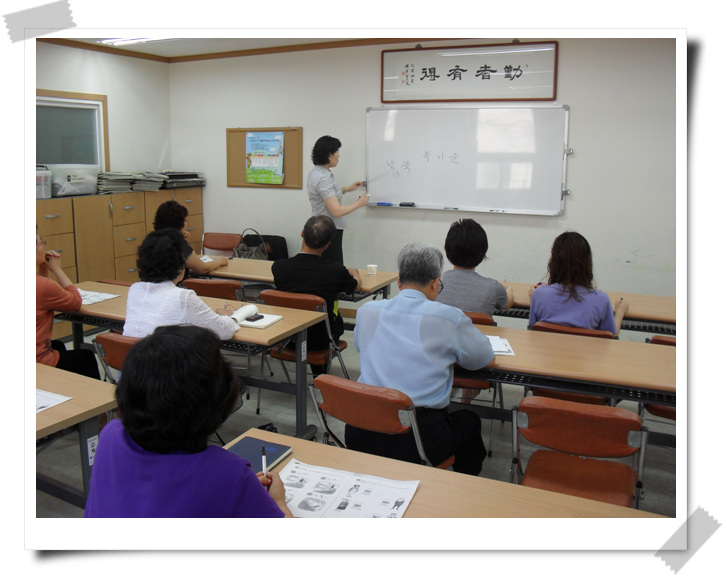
[[419, 263]]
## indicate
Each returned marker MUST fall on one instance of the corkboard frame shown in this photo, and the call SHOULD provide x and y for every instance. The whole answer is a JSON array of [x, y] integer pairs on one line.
[[292, 157]]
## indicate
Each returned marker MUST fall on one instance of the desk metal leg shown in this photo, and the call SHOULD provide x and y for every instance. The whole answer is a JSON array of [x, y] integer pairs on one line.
[[88, 440], [302, 430]]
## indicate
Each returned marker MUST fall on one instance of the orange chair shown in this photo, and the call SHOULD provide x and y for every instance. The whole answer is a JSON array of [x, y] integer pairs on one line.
[[112, 349], [574, 434], [367, 407], [469, 386], [662, 411], [213, 288], [221, 244], [285, 351], [562, 329]]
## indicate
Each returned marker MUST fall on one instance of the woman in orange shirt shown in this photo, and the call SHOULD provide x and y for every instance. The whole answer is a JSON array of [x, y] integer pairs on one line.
[[49, 297]]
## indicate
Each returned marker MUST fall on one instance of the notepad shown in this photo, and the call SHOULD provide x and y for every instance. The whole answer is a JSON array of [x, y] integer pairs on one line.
[[251, 448], [500, 345], [241, 314]]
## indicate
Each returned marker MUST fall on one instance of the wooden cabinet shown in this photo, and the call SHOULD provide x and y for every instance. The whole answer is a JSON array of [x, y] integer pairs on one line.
[[54, 218]]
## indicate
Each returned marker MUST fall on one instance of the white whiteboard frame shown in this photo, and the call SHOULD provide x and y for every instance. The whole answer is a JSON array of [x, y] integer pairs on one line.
[[374, 203]]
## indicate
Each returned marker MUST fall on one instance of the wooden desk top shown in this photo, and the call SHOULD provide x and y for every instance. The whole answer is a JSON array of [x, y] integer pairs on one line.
[[641, 306], [261, 271], [446, 494], [292, 322], [91, 397], [617, 362]]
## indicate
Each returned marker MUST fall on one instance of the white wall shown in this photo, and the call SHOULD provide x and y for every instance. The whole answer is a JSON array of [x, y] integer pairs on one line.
[[137, 95], [622, 129]]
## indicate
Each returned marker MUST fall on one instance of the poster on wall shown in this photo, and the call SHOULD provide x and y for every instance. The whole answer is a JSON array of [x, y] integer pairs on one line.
[[264, 157]]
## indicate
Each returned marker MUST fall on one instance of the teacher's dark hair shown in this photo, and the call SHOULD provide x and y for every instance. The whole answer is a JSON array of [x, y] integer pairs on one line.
[[318, 231], [571, 263], [170, 214], [176, 389], [323, 149], [160, 256], [466, 244]]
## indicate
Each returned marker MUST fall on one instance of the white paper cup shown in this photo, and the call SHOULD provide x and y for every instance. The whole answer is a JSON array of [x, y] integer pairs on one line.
[[372, 269]]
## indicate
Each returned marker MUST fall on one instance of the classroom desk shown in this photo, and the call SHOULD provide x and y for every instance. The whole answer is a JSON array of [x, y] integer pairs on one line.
[[446, 494], [91, 397], [647, 313], [252, 341], [617, 369], [260, 271]]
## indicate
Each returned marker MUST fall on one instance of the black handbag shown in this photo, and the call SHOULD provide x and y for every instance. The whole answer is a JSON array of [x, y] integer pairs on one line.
[[244, 250]]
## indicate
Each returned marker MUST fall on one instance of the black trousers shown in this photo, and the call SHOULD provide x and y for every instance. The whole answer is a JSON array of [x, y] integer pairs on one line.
[[443, 434], [81, 361]]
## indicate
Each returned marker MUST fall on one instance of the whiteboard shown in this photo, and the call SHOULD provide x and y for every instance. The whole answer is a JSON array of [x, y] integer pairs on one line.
[[488, 159]]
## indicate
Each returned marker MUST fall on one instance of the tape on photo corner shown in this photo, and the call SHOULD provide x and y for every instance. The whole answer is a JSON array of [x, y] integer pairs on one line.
[[39, 20]]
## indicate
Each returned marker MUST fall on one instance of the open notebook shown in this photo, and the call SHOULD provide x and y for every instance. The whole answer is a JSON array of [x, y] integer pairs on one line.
[[242, 314]]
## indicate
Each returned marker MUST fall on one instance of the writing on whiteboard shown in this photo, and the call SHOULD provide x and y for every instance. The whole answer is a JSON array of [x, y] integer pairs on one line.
[[405, 166]]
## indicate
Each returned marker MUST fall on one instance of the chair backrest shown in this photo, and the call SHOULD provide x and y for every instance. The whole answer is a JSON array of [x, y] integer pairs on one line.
[[226, 289], [112, 349], [481, 318], [363, 406], [562, 329], [220, 241], [292, 300], [665, 340], [578, 428]]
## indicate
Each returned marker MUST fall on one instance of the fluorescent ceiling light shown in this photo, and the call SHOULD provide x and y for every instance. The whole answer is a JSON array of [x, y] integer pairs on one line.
[[128, 41]]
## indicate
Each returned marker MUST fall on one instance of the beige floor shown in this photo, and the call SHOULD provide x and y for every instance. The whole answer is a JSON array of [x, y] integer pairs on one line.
[[61, 459]]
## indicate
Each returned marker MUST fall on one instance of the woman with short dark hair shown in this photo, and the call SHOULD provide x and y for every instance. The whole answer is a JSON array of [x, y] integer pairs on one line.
[[570, 298], [172, 214], [175, 391], [466, 247], [157, 300], [326, 196]]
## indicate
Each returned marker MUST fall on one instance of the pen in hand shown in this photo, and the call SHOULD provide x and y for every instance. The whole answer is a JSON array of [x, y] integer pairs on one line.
[[265, 463]]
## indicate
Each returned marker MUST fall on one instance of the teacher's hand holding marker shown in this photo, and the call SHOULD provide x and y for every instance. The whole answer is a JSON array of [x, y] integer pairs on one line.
[[326, 197]]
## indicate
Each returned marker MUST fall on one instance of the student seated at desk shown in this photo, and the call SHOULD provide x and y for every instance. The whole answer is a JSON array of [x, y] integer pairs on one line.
[[172, 214], [157, 300], [466, 247], [570, 298], [155, 461], [51, 296], [308, 273], [411, 343]]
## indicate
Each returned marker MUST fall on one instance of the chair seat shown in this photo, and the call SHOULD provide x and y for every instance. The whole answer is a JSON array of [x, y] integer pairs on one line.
[[315, 357], [596, 479], [565, 396], [663, 411]]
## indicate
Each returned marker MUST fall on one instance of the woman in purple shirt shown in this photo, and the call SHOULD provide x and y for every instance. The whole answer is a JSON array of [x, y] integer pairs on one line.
[[155, 461], [570, 298]]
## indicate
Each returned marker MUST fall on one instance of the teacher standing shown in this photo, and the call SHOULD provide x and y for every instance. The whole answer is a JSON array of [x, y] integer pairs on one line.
[[326, 196]]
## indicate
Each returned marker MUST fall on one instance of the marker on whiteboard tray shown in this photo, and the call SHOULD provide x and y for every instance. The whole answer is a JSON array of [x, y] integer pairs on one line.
[[406, 204], [445, 207], [384, 203]]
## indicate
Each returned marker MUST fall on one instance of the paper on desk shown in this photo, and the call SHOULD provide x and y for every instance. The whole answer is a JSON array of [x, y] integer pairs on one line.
[[500, 345], [45, 400], [94, 297], [321, 492]]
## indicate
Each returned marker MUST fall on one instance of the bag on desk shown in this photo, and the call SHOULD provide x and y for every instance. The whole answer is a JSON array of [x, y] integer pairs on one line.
[[243, 250]]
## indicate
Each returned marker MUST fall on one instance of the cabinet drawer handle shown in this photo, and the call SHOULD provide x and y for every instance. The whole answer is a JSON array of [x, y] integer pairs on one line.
[[51, 216], [191, 229], [131, 270], [129, 239], [129, 206], [189, 200]]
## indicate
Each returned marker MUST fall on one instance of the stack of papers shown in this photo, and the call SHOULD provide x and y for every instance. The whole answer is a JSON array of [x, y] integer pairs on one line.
[[94, 297], [114, 181], [500, 345], [148, 181], [45, 400]]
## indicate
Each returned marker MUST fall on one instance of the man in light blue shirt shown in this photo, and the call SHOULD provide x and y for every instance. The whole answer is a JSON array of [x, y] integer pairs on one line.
[[411, 343]]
